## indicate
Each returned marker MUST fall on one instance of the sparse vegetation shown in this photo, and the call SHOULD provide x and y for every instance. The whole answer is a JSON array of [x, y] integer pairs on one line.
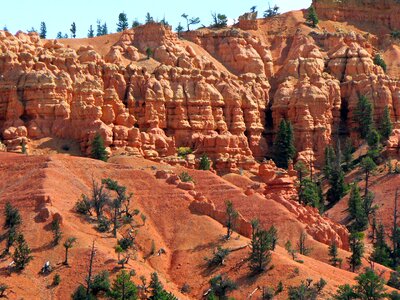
[[183, 151], [56, 229], [306, 290], [68, 244], [185, 177], [204, 163], [379, 61]]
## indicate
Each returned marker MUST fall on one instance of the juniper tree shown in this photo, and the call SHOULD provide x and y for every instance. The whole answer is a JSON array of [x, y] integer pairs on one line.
[[149, 52], [284, 149], [231, 218], [306, 290], [218, 258], [379, 61], [122, 22], [43, 30], [73, 30]]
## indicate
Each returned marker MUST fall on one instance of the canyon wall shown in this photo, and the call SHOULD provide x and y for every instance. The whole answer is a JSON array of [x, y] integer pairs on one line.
[[222, 92]]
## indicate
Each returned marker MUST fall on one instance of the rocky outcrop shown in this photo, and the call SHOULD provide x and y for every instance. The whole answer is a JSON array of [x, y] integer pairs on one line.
[[382, 12]]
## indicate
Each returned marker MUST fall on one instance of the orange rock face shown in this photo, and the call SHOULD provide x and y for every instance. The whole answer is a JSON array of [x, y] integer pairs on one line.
[[221, 92]]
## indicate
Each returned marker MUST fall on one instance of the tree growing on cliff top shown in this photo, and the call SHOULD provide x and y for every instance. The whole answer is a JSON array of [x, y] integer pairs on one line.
[[219, 20], [190, 21], [73, 30], [98, 149], [149, 18], [122, 22], [312, 18], [284, 149], [271, 11], [90, 32], [43, 30]]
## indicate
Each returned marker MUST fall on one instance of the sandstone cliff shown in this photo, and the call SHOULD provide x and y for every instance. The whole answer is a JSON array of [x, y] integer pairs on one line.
[[222, 92]]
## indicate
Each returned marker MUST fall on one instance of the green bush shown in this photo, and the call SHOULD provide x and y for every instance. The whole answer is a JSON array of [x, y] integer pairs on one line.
[[379, 61], [183, 151], [185, 177], [56, 279], [104, 225], [125, 243], [83, 205]]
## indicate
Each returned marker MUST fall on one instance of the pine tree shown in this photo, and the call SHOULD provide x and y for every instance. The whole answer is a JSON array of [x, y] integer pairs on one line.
[[357, 250], [370, 286], [231, 218], [386, 124], [301, 244], [357, 210], [104, 29], [330, 158], [123, 288], [59, 35], [190, 21], [98, 149], [338, 187], [260, 256], [379, 61], [309, 194], [381, 253], [149, 52], [99, 28], [348, 154], [179, 29], [363, 116], [149, 18], [12, 216], [312, 17], [368, 166], [220, 286], [333, 254], [22, 253], [43, 30], [73, 30], [68, 244], [284, 149], [204, 163], [135, 23], [90, 32], [57, 234], [122, 22], [345, 292]]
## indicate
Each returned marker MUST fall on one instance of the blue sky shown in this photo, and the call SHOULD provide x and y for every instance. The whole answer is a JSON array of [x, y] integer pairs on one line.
[[58, 14]]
